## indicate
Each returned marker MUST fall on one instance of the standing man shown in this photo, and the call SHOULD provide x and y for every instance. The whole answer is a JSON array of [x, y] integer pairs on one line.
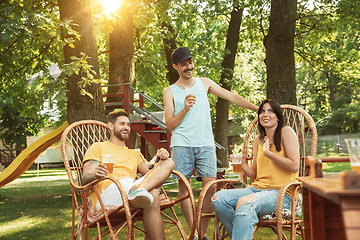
[[143, 192], [187, 115]]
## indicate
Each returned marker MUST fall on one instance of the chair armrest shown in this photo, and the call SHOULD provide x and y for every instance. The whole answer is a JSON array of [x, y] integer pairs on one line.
[[310, 163], [315, 166], [86, 211], [92, 186], [202, 195], [280, 200], [209, 184]]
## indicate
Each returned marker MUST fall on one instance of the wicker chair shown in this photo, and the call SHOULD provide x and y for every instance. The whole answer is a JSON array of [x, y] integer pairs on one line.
[[305, 128], [75, 140]]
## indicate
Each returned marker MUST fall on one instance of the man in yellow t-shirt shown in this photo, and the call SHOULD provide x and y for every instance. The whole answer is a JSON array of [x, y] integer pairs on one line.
[[143, 192]]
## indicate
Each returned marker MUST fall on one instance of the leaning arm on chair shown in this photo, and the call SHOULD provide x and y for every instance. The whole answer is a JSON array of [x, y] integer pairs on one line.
[[93, 170]]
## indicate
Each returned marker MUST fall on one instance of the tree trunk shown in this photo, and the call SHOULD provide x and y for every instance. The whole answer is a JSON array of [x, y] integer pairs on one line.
[[222, 106], [279, 44], [80, 107], [121, 55], [121, 60], [169, 46]]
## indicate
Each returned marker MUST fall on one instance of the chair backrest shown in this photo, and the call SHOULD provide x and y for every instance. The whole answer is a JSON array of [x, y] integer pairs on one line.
[[75, 141], [304, 127]]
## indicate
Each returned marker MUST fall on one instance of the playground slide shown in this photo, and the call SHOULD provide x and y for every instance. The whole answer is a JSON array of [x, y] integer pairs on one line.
[[22, 162]]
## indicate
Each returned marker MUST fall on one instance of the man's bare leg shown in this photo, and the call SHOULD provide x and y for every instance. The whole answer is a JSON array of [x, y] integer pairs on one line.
[[186, 205], [152, 219], [154, 179], [157, 176], [207, 206]]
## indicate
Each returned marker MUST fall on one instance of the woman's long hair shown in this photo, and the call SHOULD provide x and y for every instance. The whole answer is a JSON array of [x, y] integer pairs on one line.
[[279, 113]]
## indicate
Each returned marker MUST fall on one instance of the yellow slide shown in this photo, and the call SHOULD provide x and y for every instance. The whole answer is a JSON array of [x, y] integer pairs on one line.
[[22, 162]]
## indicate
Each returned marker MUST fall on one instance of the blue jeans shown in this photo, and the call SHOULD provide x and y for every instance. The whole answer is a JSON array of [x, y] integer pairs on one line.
[[240, 223]]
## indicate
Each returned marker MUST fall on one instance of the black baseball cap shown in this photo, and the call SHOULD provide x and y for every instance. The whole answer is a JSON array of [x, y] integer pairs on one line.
[[181, 54]]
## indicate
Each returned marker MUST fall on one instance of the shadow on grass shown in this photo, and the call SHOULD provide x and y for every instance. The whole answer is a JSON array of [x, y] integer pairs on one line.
[[42, 210], [35, 211]]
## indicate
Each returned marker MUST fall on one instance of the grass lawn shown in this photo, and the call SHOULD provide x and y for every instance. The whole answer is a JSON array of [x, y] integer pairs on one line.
[[36, 207]]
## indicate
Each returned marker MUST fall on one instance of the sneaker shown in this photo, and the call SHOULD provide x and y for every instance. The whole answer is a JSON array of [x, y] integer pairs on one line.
[[140, 198], [195, 238]]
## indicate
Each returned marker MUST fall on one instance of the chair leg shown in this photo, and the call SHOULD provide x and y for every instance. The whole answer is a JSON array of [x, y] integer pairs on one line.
[[114, 237], [281, 234], [302, 231], [293, 232], [85, 231], [189, 196], [256, 228], [73, 219], [98, 230], [200, 216], [133, 232], [216, 235]]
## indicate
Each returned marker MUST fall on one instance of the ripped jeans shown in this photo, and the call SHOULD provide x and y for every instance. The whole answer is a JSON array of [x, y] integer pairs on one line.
[[240, 224]]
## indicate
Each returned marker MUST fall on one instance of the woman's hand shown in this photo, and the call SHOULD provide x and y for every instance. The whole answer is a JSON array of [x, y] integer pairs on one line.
[[266, 146], [266, 143]]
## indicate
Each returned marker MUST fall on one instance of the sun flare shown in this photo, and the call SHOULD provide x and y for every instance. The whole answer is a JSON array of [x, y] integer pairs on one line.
[[111, 5]]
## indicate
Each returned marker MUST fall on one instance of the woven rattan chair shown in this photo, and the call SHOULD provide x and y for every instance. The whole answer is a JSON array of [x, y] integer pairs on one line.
[[305, 128], [75, 140]]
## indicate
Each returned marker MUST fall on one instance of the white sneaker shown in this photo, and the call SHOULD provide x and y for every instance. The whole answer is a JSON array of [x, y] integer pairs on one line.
[[140, 198]]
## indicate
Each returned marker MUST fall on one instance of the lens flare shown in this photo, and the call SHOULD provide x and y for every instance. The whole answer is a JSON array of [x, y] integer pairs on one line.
[[111, 5]]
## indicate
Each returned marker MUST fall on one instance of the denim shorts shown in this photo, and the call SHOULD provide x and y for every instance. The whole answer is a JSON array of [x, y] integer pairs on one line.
[[202, 158]]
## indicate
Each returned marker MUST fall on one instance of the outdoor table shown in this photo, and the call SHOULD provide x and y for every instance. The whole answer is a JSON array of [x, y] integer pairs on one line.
[[330, 211]]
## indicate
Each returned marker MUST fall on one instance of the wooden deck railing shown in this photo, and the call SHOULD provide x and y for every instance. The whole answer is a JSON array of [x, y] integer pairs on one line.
[[334, 159]]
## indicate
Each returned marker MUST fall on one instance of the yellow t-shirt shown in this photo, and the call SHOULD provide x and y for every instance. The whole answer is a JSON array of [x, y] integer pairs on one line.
[[270, 175], [125, 162]]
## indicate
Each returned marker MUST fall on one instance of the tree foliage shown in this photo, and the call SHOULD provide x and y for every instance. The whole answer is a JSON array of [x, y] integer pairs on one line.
[[29, 45], [326, 55], [17, 124], [328, 65]]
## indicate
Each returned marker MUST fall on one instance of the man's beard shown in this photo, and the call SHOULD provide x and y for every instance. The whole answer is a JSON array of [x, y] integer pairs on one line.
[[120, 136]]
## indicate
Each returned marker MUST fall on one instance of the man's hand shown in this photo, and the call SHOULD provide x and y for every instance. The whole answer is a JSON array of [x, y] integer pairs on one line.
[[100, 171], [189, 102], [93, 170], [163, 154]]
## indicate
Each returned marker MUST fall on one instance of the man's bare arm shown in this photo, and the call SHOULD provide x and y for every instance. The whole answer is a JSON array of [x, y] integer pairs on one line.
[[93, 170], [215, 89], [172, 121]]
